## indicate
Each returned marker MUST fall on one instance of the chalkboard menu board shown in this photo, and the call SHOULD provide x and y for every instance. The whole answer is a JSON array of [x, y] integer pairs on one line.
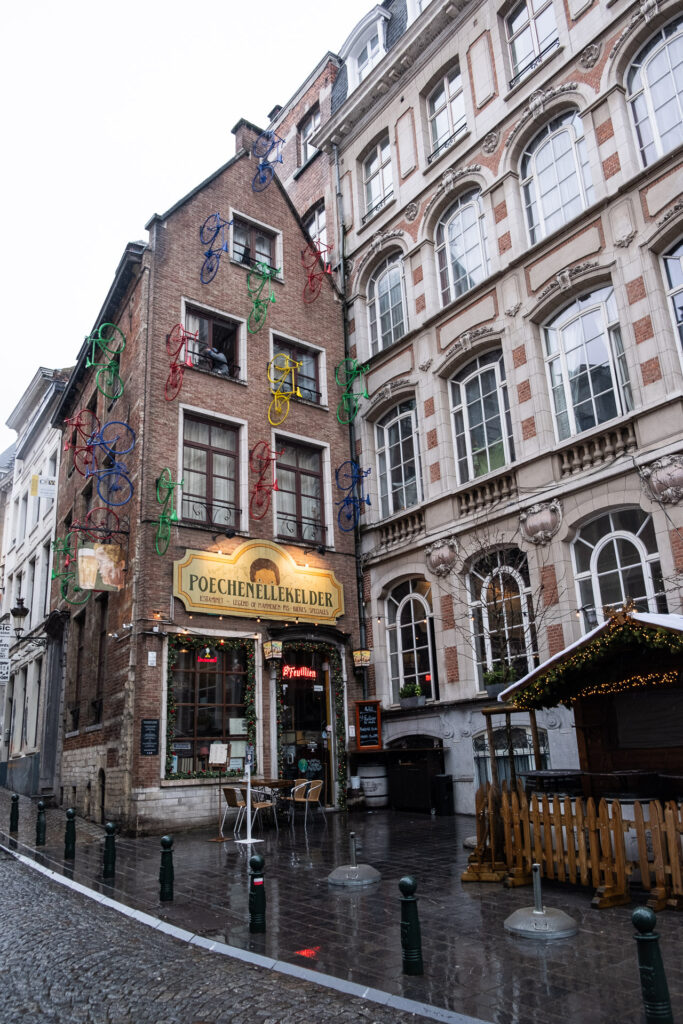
[[149, 737], [368, 725]]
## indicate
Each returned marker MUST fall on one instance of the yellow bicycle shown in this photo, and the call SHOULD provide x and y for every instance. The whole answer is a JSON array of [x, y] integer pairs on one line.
[[282, 371]]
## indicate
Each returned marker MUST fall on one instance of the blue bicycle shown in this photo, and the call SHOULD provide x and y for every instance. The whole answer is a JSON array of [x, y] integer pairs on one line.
[[113, 483], [213, 234], [268, 142], [348, 476]]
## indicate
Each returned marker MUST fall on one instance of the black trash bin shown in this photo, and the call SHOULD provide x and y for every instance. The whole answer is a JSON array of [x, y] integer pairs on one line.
[[442, 794]]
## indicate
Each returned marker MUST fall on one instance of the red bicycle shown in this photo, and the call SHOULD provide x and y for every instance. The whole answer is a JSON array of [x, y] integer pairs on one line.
[[261, 457], [316, 266], [85, 426], [176, 341]]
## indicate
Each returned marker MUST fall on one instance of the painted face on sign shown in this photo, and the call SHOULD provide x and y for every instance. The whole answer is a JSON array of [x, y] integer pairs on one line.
[[265, 576]]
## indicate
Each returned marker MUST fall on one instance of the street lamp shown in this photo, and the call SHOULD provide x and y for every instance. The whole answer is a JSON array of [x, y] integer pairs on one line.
[[19, 613]]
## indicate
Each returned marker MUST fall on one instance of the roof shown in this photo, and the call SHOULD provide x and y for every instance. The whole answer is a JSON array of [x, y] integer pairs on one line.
[[629, 649]]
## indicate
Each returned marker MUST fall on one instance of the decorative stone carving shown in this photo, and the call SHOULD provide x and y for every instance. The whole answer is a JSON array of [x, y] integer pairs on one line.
[[391, 388], [441, 556], [665, 479], [411, 211], [425, 364], [564, 279], [540, 523], [467, 338], [590, 55], [449, 181], [490, 143], [623, 241], [537, 104], [377, 241], [513, 310], [676, 208], [447, 728], [646, 11]]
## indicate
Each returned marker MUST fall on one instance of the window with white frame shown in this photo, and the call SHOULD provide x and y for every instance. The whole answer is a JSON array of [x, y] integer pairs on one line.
[[410, 638], [306, 375], [217, 345], [308, 126], [555, 175], [673, 269], [378, 186], [386, 304], [532, 36], [398, 459], [369, 54], [586, 364], [315, 224], [654, 89], [615, 561], [300, 506], [210, 472], [502, 613], [461, 254], [446, 111], [480, 413], [252, 243]]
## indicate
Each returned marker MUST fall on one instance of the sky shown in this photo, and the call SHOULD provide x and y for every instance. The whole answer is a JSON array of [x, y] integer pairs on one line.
[[113, 112]]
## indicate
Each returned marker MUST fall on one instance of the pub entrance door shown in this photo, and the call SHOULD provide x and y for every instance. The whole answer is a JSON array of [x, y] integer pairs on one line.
[[307, 718]]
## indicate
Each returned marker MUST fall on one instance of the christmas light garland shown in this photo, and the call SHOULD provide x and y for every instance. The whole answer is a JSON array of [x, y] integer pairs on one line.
[[616, 652], [195, 643]]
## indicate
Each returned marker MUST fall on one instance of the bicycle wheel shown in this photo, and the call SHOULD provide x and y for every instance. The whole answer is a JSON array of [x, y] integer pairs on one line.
[[78, 596], [175, 340], [260, 453], [164, 486], [108, 381], [85, 462], [257, 317], [347, 475], [259, 503], [263, 177], [163, 535], [111, 338], [117, 438], [101, 523], [86, 423], [174, 381], [278, 410], [347, 516], [312, 287], [347, 409], [346, 372], [263, 144], [114, 488], [210, 267], [210, 229]]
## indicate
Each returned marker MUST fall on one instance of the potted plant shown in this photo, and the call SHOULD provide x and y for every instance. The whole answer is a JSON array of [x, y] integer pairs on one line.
[[499, 678], [411, 696]]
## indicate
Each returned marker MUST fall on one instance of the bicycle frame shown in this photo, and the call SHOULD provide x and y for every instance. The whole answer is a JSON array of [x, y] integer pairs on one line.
[[213, 228], [262, 458], [281, 367], [312, 258], [177, 341], [110, 339], [257, 277], [348, 476], [68, 576], [165, 491], [346, 373], [266, 143]]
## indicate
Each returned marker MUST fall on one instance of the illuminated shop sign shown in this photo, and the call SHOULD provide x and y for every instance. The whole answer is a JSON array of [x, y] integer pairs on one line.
[[298, 672], [258, 578]]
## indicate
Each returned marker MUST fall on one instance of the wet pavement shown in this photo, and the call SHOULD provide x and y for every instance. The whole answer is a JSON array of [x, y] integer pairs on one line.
[[472, 966]]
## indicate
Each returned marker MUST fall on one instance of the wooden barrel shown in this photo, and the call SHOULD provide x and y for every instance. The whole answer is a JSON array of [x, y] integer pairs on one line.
[[375, 784]]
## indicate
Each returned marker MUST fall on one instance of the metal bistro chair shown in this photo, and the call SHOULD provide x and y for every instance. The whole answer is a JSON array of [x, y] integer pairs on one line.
[[263, 805], [234, 801], [297, 798], [313, 797]]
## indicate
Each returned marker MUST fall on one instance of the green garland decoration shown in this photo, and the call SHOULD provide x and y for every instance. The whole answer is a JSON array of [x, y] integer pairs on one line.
[[620, 652], [337, 682], [195, 643]]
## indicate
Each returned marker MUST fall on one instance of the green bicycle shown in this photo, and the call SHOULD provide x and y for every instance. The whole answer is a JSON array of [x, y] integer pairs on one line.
[[165, 489]]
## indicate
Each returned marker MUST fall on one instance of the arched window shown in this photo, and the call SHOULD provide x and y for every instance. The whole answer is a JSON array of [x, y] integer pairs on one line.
[[522, 751], [461, 255], [615, 561], [673, 268], [586, 366], [386, 304], [398, 459], [502, 613], [654, 88], [410, 638], [555, 175], [378, 187], [481, 417], [446, 111]]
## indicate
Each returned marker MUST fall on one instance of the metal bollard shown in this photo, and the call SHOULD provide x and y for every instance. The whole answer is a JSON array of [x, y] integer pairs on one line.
[[411, 939], [166, 869], [655, 990], [14, 813], [40, 824], [257, 895], [70, 835], [109, 859]]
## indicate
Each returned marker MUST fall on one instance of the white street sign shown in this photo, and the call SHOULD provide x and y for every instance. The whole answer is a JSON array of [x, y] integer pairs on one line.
[[4, 671]]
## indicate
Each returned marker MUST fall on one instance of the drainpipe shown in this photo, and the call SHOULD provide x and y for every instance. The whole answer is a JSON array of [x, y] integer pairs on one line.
[[352, 429]]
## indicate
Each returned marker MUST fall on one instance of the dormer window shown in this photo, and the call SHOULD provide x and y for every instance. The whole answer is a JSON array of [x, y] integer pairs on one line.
[[368, 56], [365, 47]]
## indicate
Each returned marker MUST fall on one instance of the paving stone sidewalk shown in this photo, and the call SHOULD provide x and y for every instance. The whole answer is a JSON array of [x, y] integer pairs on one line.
[[472, 966]]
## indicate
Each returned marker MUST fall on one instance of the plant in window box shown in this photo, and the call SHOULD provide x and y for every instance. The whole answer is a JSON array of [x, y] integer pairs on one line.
[[499, 678], [411, 696]]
